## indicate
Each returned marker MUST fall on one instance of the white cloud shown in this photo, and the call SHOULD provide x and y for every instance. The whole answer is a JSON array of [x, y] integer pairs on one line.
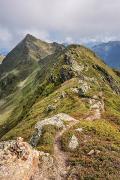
[[5, 37], [69, 40], [64, 20]]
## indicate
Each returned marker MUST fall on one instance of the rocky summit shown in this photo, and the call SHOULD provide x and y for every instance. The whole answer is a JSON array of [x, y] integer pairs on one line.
[[59, 114]]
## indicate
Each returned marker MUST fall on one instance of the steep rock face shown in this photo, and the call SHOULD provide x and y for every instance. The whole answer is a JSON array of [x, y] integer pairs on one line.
[[18, 161]]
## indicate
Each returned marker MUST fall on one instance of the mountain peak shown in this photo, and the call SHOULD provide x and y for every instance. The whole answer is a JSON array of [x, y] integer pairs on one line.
[[29, 37], [28, 52]]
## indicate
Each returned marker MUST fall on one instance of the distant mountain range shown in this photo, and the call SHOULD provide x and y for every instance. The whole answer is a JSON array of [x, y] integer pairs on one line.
[[109, 52]]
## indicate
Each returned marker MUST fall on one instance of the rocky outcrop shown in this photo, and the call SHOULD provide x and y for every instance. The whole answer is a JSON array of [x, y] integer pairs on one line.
[[18, 161], [96, 107], [82, 89], [66, 73], [57, 120], [71, 68], [70, 60]]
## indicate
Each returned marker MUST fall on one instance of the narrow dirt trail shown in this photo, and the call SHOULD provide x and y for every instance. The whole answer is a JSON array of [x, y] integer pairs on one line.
[[57, 169], [60, 156], [59, 166]]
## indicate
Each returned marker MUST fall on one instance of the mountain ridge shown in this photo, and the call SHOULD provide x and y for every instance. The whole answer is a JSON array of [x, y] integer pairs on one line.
[[67, 104]]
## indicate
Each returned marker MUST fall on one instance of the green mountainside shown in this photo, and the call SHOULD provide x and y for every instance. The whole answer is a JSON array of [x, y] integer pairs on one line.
[[39, 80], [27, 53], [22, 61]]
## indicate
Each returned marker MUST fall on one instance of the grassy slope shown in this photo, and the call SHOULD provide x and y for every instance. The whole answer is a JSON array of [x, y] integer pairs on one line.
[[32, 100], [101, 136], [40, 93], [20, 64]]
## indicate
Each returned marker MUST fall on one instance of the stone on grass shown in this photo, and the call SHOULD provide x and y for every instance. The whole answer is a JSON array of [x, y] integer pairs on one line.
[[95, 152], [73, 144], [79, 129]]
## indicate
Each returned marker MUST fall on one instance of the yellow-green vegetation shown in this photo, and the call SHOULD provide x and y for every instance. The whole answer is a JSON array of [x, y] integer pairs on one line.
[[45, 85], [54, 76], [100, 136], [71, 104], [47, 139]]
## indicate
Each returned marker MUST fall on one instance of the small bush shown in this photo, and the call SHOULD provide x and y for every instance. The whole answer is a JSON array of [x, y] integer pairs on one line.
[[48, 89]]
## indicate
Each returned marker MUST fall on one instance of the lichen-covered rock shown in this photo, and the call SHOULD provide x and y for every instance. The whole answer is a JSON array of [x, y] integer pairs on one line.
[[18, 161], [70, 60], [73, 144], [82, 89], [57, 120]]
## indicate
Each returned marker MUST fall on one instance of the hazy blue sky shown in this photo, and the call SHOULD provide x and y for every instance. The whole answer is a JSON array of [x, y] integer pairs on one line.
[[59, 20]]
